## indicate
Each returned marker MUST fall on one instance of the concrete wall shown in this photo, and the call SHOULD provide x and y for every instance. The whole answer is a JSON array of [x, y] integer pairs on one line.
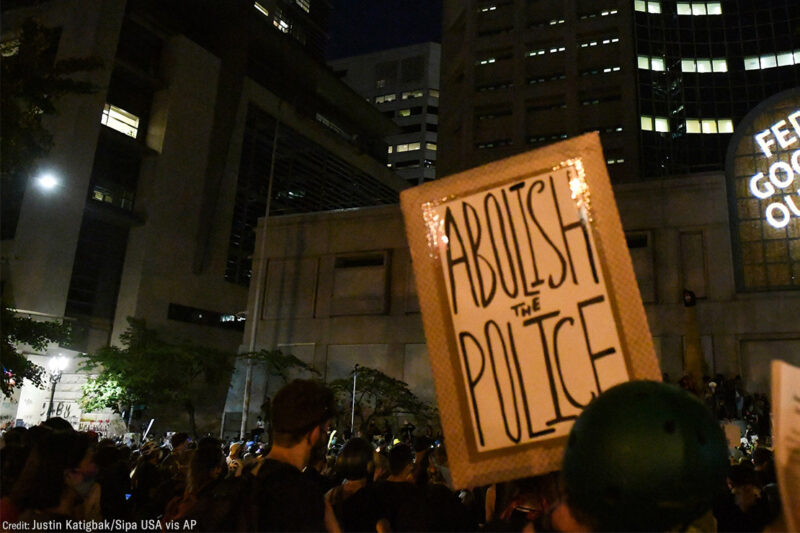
[[687, 246]]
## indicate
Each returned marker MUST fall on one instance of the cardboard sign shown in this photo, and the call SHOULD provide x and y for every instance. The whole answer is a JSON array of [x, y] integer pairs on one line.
[[786, 433], [530, 304]]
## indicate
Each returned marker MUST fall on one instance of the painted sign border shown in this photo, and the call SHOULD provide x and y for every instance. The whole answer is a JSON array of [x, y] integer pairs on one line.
[[470, 468]]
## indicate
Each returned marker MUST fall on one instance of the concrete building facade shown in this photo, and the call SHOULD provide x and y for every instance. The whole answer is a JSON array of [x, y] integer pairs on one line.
[[164, 170]]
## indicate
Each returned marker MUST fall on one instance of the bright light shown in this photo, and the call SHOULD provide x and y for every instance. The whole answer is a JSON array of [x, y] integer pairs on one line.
[[57, 364], [47, 182]]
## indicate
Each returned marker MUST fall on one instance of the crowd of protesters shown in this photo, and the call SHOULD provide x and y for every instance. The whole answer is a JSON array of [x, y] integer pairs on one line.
[[302, 481]]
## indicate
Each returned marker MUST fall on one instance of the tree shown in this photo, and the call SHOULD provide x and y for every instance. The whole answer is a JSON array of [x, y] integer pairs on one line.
[[379, 397], [31, 81], [18, 330], [150, 371]]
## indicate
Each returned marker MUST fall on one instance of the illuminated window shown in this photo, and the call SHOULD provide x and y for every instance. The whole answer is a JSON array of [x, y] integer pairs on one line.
[[413, 146], [781, 59], [384, 98], [647, 123], [725, 125], [434, 93], [651, 6], [709, 126], [704, 65], [281, 24], [263, 10], [430, 146], [699, 8], [390, 149], [404, 113], [610, 40], [120, 120], [402, 148], [640, 5], [543, 51], [650, 63], [555, 22], [662, 124], [412, 94], [486, 9], [305, 5]]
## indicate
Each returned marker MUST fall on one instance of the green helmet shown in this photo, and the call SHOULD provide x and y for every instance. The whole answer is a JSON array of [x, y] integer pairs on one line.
[[644, 456]]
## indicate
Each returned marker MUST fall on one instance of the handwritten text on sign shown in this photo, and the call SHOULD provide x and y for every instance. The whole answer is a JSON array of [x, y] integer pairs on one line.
[[534, 327]]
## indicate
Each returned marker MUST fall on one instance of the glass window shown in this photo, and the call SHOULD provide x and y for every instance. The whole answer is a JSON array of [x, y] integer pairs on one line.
[[430, 146], [720, 65], [684, 8], [390, 149], [657, 63], [703, 65], [662, 124], [643, 62], [304, 4], [714, 8], [404, 113], [118, 119], [692, 125], [261, 9], [434, 93], [687, 65], [647, 123], [698, 9], [725, 125], [709, 126], [413, 146], [640, 5], [653, 7], [785, 58], [797, 57], [768, 62], [412, 94], [751, 63]]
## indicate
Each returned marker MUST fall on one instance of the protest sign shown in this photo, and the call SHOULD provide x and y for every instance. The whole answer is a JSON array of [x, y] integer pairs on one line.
[[529, 302], [786, 432]]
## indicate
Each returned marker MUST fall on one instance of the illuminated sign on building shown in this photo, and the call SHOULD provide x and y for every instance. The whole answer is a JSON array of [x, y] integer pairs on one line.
[[763, 178], [781, 174]]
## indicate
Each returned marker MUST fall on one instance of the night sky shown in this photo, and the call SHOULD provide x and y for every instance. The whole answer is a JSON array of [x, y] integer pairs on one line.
[[363, 26]]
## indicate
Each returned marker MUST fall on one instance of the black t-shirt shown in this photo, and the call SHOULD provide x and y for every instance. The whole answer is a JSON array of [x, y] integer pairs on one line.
[[401, 503], [284, 499]]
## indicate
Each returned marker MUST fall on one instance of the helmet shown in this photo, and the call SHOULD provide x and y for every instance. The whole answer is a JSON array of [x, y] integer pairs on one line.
[[644, 456]]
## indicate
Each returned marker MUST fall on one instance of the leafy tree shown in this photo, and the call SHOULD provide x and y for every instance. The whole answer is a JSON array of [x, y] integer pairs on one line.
[[151, 371], [19, 330], [31, 81], [379, 397]]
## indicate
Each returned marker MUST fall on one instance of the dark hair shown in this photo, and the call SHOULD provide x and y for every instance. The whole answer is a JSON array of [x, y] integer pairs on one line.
[[42, 479], [355, 460], [298, 408], [205, 459], [178, 439], [400, 456]]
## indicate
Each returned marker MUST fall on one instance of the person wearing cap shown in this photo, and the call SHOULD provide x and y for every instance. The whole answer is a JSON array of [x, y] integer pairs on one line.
[[282, 497]]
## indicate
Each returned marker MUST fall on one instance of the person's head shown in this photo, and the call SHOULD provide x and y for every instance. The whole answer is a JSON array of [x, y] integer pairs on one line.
[[355, 460], [301, 411], [179, 440], [60, 461], [401, 461], [381, 460], [207, 464], [643, 456]]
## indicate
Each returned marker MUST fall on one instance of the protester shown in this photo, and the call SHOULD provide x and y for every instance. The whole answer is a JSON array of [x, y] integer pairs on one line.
[[281, 497], [351, 501]]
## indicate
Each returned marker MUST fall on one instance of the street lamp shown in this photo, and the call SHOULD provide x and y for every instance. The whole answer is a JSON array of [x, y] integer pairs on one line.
[[47, 181], [56, 367]]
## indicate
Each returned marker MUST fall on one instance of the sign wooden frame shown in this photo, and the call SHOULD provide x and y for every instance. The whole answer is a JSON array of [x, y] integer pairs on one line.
[[579, 165]]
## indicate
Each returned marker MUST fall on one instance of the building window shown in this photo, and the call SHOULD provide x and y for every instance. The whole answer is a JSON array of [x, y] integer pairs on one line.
[[599, 42], [486, 9], [709, 126], [659, 124], [430, 146], [412, 94], [699, 8], [390, 149], [556, 22], [305, 5], [493, 144], [704, 65], [543, 51], [120, 120], [485, 61], [384, 98], [650, 63], [781, 59], [600, 14], [433, 93], [651, 6]]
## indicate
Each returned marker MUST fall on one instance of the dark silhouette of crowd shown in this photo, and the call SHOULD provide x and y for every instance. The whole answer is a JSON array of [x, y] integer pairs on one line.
[[383, 482]]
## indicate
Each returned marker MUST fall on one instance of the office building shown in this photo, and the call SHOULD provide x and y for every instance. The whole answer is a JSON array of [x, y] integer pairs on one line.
[[404, 84], [664, 82], [163, 171]]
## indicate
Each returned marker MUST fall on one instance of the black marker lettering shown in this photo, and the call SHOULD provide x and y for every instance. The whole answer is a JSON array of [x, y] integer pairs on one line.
[[450, 223]]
